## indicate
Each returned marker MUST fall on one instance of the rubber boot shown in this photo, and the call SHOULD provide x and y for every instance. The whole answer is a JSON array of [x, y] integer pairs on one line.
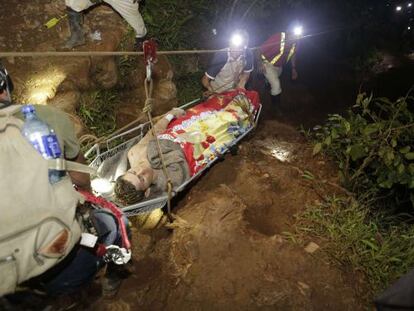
[[138, 45], [113, 278], [275, 103], [77, 36], [275, 100]]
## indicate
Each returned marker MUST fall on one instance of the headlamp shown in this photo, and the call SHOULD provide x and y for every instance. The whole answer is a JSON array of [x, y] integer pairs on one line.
[[237, 40], [298, 31], [398, 8], [102, 186]]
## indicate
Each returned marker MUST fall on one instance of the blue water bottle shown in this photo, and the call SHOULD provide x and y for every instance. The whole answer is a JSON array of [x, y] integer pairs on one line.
[[43, 139]]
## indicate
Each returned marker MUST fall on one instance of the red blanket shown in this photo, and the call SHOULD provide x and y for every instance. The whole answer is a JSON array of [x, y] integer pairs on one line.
[[215, 135]]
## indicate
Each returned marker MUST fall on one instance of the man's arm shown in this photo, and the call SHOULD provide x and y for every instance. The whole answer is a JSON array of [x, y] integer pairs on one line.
[[139, 149], [206, 83], [248, 68], [244, 77], [81, 180]]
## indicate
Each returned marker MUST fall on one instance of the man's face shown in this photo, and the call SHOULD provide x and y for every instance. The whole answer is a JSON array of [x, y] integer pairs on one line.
[[235, 52], [140, 177], [5, 96]]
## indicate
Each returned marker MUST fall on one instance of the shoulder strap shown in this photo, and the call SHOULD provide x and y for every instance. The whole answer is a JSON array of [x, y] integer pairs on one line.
[[10, 110], [57, 164], [65, 165]]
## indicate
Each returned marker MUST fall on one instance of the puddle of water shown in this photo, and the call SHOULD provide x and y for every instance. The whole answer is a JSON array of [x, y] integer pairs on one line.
[[279, 150]]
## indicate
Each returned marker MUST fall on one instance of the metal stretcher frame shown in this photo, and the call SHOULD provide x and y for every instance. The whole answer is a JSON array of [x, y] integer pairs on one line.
[[138, 132]]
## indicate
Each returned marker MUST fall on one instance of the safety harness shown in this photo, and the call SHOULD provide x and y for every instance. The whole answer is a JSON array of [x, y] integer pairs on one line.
[[114, 253]]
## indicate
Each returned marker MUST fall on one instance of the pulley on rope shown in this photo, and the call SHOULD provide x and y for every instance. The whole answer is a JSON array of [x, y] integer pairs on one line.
[[150, 56]]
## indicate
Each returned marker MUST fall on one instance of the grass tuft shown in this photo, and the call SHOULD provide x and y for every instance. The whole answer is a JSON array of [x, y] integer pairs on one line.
[[379, 246]]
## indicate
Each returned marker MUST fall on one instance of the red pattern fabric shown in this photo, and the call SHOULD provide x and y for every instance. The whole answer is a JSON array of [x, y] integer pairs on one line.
[[215, 103], [103, 203]]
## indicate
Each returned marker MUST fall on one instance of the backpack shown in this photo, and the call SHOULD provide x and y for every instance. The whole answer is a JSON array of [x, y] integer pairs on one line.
[[38, 222]]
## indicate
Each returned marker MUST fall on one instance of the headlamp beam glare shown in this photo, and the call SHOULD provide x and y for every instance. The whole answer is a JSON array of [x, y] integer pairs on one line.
[[298, 31], [237, 40]]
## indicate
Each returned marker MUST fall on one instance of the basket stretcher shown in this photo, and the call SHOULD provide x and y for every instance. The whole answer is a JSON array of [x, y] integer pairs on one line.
[[102, 154]]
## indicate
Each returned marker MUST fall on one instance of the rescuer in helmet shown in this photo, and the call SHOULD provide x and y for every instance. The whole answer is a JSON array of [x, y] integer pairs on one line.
[[231, 69], [278, 50]]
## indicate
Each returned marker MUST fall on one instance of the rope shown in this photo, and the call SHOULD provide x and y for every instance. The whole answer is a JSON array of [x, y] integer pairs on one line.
[[34, 54], [148, 85], [102, 53]]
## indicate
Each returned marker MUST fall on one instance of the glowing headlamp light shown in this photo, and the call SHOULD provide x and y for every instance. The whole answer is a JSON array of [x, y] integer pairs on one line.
[[237, 40], [102, 186], [298, 31], [398, 8]]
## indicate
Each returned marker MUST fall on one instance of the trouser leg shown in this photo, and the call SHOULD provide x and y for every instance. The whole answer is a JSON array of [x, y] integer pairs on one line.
[[272, 75], [129, 11], [80, 271]]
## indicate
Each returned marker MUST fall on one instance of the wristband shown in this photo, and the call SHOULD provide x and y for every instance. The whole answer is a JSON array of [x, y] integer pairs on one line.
[[170, 117]]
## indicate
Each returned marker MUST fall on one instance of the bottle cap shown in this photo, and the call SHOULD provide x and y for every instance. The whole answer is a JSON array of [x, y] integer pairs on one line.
[[28, 109]]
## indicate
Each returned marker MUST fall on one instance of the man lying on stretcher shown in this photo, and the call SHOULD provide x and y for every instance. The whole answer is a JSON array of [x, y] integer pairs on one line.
[[189, 140]]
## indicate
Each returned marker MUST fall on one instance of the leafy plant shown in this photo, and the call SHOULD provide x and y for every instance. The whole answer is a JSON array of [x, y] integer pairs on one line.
[[373, 147]]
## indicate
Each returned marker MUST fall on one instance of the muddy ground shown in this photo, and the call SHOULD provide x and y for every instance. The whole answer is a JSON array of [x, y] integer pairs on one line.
[[232, 248]]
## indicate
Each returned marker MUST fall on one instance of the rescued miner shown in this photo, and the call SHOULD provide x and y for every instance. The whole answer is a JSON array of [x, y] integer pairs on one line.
[[73, 267], [128, 9], [145, 175]]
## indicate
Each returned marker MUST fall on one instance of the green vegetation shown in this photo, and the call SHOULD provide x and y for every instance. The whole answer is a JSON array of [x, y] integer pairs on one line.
[[97, 111], [373, 148], [367, 231], [381, 247]]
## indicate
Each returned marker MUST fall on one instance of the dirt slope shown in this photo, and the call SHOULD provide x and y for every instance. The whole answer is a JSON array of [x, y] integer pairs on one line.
[[232, 250]]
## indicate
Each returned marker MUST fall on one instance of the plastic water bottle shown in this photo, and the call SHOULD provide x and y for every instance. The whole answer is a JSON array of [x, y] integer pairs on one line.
[[43, 139]]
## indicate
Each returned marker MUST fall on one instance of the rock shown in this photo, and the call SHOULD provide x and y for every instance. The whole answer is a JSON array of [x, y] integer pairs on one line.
[[311, 248], [66, 101], [165, 90], [105, 71], [127, 113], [79, 126], [77, 70], [163, 69]]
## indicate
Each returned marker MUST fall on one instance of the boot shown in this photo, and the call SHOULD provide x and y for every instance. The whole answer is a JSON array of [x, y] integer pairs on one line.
[[275, 100], [275, 106], [138, 45], [113, 278], [77, 36]]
